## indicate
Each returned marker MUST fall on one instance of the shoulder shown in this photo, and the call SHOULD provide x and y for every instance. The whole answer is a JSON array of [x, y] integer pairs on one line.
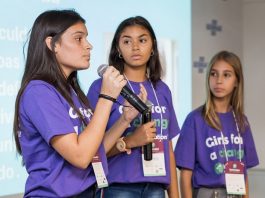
[[40, 94], [163, 89], [194, 116], [40, 87], [41, 91], [96, 84], [161, 85]]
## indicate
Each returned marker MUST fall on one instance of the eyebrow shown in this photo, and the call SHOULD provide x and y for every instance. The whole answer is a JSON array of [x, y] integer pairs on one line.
[[79, 32], [222, 71], [126, 36]]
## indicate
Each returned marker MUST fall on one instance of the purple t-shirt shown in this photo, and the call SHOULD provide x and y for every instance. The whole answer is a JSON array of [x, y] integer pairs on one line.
[[44, 113], [200, 148], [125, 168]]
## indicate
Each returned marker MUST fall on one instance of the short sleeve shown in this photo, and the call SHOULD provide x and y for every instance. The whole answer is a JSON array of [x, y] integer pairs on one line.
[[251, 157], [46, 110], [186, 145], [174, 129]]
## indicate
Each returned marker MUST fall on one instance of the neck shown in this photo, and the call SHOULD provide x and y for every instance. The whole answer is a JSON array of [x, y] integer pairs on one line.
[[135, 74], [222, 106]]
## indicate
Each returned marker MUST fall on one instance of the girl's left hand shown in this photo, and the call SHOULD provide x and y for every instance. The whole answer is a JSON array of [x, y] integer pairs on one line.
[[129, 112]]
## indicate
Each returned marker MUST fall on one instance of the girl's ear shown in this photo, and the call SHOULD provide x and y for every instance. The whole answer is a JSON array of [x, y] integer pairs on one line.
[[48, 42]]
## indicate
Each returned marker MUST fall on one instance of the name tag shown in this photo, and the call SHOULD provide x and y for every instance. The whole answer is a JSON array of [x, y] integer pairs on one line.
[[156, 166], [234, 178], [99, 172]]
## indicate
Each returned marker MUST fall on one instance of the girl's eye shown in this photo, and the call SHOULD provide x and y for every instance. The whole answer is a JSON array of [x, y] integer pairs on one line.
[[143, 40], [227, 75], [213, 73], [126, 41], [78, 38]]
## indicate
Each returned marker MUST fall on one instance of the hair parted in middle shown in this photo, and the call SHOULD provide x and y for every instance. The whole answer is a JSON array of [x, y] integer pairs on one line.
[[237, 99], [154, 68]]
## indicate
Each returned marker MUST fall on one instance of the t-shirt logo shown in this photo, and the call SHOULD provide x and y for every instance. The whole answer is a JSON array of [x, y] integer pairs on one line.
[[219, 168]]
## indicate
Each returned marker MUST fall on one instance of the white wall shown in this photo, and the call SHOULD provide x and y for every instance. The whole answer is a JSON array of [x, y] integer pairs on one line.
[[229, 16], [254, 62]]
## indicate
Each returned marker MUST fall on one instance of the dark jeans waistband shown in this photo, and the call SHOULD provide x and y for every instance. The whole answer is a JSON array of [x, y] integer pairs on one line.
[[89, 192], [139, 184]]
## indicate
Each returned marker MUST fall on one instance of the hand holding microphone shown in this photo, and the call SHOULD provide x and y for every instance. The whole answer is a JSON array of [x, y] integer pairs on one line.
[[112, 82], [131, 97], [136, 102]]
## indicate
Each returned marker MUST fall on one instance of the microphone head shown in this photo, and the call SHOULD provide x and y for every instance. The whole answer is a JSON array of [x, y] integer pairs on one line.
[[101, 69], [149, 104]]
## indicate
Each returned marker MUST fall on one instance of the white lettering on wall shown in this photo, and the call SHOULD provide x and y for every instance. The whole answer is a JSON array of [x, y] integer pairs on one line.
[[13, 34], [6, 117], [9, 62], [9, 89]]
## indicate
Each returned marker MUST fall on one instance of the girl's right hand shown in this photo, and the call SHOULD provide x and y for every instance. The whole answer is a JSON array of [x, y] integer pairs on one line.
[[112, 82], [142, 135]]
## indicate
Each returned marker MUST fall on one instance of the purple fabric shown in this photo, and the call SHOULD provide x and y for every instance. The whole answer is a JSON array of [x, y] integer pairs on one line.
[[44, 113], [200, 148], [125, 168]]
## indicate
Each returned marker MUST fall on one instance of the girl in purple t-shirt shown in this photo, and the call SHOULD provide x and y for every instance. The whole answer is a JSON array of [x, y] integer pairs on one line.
[[134, 53], [216, 147], [56, 133]]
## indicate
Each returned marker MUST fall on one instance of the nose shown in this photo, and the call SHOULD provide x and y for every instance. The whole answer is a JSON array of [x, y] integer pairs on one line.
[[219, 79], [89, 45], [135, 46]]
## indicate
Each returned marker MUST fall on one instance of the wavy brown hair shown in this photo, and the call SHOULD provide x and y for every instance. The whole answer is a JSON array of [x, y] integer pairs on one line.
[[237, 99]]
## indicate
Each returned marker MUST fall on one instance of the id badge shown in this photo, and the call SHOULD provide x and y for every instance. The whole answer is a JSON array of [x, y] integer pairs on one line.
[[99, 172], [234, 178], [156, 166]]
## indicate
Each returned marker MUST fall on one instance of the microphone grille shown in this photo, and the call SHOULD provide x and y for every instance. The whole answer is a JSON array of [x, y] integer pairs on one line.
[[101, 69]]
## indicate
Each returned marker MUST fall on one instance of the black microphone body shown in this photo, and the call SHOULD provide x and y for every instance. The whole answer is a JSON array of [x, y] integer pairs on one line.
[[127, 93], [133, 99], [146, 117]]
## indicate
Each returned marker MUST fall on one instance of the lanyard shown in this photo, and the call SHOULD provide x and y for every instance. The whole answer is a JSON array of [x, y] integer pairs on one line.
[[239, 146], [161, 116]]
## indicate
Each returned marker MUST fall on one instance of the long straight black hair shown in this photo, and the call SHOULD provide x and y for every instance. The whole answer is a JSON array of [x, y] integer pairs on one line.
[[153, 65], [41, 63]]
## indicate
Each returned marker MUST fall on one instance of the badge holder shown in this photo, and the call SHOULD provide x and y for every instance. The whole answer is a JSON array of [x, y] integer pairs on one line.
[[234, 178], [153, 158], [99, 172], [156, 166]]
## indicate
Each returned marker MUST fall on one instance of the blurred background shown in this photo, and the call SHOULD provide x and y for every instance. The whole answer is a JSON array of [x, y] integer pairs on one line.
[[189, 33]]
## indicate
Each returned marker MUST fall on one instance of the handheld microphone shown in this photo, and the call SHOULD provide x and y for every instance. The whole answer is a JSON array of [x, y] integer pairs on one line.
[[146, 117], [127, 93]]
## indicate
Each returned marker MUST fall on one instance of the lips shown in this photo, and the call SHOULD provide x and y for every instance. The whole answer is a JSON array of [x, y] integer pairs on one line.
[[87, 57], [136, 57], [218, 89]]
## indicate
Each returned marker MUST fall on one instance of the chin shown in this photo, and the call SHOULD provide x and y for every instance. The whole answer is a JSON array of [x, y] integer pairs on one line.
[[84, 67]]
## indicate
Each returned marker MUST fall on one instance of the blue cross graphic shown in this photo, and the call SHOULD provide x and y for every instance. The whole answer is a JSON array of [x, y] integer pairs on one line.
[[201, 64], [213, 27]]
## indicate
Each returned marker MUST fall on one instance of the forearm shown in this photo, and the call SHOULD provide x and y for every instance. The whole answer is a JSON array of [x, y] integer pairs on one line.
[[79, 150], [185, 183], [247, 189], [172, 191], [114, 133]]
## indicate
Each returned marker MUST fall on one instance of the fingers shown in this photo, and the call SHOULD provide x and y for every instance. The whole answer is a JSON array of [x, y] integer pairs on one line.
[[113, 82], [150, 131], [143, 93]]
